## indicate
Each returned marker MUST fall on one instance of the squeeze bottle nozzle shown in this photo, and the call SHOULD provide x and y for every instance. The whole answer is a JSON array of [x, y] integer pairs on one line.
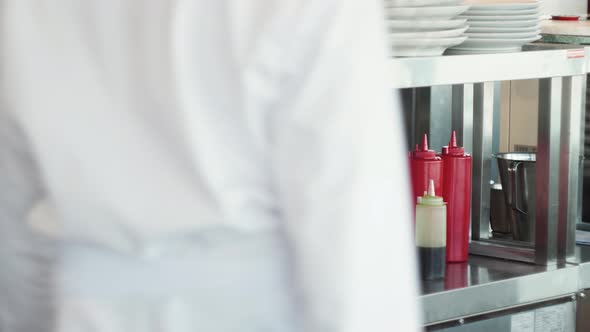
[[425, 142], [453, 142], [431, 188]]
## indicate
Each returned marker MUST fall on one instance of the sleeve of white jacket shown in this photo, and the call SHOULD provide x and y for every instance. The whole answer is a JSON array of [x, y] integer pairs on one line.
[[341, 172], [26, 275]]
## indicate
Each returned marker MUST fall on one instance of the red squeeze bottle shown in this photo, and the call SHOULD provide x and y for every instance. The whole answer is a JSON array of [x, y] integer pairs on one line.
[[425, 165], [457, 194]]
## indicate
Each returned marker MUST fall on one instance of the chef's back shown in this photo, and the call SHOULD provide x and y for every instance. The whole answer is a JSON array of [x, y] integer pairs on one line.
[[219, 165]]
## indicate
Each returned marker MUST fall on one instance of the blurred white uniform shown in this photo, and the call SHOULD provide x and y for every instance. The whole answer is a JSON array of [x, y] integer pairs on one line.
[[215, 165]]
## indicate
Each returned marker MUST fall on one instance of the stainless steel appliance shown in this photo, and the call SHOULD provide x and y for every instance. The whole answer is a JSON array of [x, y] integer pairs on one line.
[[499, 218], [517, 173]]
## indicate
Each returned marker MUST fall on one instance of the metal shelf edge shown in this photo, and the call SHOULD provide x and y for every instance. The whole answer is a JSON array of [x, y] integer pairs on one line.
[[492, 296], [466, 69]]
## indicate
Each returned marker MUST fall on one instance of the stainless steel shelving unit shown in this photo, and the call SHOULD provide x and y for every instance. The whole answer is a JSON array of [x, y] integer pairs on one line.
[[562, 74]]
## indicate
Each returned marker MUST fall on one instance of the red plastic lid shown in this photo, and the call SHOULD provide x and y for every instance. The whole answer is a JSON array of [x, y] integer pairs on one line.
[[565, 17], [453, 149], [424, 153]]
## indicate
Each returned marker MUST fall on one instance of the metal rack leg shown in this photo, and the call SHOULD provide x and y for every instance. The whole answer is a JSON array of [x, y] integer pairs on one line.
[[462, 114], [547, 169], [483, 122], [570, 167]]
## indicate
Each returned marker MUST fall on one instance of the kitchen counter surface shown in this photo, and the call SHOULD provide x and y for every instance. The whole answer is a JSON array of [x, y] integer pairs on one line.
[[571, 28], [566, 32]]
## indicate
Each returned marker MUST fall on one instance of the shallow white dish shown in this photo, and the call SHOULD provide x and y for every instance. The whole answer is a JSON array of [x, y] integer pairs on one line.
[[503, 30], [418, 52], [423, 47], [504, 24], [483, 43], [506, 6], [427, 42], [426, 12], [461, 51], [420, 3], [476, 18], [503, 35], [429, 34], [472, 12], [424, 25]]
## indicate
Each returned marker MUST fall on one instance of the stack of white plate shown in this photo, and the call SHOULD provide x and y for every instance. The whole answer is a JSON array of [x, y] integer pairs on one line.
[[424, 27], [500, 27]]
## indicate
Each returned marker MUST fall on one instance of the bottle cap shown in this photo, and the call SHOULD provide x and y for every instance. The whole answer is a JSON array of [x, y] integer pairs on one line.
[[424, 153], [452, 149], [430, 197]]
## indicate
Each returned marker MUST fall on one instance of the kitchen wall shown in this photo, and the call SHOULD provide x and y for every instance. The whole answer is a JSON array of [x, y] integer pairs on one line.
[[518, 117], [564, 6]]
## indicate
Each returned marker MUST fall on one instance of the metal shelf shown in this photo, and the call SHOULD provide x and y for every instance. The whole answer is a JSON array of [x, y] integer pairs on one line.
[[485, 285], [536, 60], [561, 70]]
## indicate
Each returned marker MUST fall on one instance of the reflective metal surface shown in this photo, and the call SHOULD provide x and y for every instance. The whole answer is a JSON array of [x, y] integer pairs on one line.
[[551, 316], [547, 169], [517, 173], [583, 255], [571, 165], [474, 78], [462, 114], [460, 69], [499, 217], [484, 285], [583, 308], [515, 251], [483, 122]]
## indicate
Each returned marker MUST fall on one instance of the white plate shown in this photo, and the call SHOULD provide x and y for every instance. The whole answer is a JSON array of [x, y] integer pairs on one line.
[[429, 34], [476, 18], [503, 30], [420, 3], [424, 25], [462, 51], [506, 6], [418, 52], [472, 12], [503, 35], [482, 43], [423, 47], [426, 12], [425, 42], [503, 24]]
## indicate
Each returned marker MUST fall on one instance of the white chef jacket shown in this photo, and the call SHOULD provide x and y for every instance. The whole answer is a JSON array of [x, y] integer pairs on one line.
[[151, 120]]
